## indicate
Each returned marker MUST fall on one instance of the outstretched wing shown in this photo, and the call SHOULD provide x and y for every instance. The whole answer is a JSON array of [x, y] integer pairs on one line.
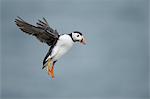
[[42, 30]]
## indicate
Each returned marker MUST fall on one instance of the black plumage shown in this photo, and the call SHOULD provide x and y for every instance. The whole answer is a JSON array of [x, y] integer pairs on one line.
[[42, 31]]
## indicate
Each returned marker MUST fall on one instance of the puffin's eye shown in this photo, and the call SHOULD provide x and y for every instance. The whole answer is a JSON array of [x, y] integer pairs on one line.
[[77, 35]]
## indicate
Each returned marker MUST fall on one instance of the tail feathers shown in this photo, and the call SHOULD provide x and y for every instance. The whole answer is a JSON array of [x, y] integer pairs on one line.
[[43, 67], [45, 64]]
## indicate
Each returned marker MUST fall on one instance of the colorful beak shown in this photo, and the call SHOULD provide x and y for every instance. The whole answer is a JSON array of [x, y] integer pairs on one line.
[[83, 41]]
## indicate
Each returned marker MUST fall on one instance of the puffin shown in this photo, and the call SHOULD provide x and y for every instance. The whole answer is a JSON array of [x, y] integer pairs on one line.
[[58, 44]]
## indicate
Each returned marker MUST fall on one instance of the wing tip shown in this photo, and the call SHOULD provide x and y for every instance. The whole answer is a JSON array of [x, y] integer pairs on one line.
[[18, 20]]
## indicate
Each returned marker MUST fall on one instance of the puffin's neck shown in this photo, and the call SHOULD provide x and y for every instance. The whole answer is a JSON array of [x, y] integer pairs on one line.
[[72, 37]]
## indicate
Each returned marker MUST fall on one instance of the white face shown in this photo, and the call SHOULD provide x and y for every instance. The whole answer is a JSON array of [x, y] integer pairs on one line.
[[78, 37]]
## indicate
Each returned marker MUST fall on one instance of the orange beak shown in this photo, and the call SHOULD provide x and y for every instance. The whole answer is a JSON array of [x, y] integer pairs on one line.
[[83, 41]]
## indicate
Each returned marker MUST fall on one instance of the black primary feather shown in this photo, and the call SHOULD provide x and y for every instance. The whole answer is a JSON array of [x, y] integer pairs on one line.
[[42, 31]]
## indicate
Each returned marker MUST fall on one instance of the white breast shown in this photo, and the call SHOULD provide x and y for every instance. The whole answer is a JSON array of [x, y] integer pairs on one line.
[[63, 45]]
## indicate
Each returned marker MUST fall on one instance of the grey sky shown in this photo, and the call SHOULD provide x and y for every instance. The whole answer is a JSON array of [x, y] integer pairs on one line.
[[113, 64]]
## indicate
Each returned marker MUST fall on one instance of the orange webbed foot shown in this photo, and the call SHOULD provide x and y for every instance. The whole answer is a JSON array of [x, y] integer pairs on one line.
[[50, 69], [49, 66], [52, 72]]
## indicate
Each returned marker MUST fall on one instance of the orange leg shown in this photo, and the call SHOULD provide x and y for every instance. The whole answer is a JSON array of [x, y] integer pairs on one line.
[[50, 69], [52, 72], [49, 66]]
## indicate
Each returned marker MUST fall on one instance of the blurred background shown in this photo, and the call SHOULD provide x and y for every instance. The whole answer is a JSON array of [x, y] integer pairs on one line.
[[113, 64]]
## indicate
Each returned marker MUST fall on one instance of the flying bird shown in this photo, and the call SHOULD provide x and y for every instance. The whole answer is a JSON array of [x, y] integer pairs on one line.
[[59, 43]]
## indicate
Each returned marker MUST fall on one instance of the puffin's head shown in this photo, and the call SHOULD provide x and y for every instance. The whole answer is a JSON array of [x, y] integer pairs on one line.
[[78, 37]]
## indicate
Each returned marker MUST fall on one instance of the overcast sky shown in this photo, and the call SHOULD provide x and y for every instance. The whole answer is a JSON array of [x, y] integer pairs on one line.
[[113, 64]]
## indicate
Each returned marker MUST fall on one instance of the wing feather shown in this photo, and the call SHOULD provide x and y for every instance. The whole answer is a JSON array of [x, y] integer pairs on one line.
[[42, 31]]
